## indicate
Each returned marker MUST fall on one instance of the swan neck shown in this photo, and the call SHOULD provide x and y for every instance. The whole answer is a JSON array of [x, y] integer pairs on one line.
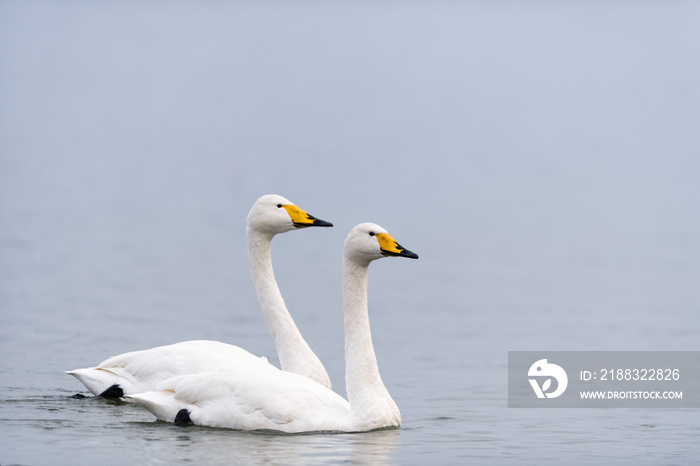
[[370, 402], [294, 353]]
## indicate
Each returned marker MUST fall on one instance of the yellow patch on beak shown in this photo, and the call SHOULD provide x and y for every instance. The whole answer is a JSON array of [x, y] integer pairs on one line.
[[390, 247], [301, 219], [388, 244]]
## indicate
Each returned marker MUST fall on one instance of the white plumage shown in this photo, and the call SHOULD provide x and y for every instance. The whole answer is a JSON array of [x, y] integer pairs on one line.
[[263, 397], [140, 371]]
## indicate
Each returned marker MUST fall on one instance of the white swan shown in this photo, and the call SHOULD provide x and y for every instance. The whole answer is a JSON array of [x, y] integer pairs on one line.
[[140, 371], [270, 399]]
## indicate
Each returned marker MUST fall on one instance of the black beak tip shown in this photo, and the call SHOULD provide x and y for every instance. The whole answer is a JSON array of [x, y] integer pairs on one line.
[[409, 254], [322, 223], [403, 253]]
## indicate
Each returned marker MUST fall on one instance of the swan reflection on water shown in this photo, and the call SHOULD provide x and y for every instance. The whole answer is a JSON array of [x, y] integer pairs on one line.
[[224, 446]]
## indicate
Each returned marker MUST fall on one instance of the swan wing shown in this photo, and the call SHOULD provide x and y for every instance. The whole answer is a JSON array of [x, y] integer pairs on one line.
[[260, 399], [140, 371]]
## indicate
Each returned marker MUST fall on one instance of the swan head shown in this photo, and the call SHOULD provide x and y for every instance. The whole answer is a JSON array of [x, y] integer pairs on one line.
[[273, 214], [368, 241]]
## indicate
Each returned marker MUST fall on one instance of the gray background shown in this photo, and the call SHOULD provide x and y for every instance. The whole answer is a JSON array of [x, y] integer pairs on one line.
[[541, 157]]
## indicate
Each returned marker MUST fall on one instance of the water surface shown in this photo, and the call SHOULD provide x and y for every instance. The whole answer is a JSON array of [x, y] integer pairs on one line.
[[541, 158]]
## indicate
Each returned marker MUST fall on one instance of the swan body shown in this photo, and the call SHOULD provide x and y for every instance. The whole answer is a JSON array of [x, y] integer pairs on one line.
[[265, 398], [140, 371]]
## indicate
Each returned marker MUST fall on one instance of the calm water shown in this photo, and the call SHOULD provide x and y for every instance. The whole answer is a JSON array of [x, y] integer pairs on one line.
[[542, 159]]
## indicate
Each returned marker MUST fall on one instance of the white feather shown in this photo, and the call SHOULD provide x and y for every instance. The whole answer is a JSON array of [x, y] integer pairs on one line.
[[262, 397], [141, 371]]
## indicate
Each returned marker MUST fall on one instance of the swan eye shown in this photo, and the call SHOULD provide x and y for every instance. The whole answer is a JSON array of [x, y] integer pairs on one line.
[[279, 206], [371, 233]]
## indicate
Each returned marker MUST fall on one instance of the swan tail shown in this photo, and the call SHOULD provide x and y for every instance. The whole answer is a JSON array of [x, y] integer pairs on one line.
[[94, 380], [163, 405], [102, 382]]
